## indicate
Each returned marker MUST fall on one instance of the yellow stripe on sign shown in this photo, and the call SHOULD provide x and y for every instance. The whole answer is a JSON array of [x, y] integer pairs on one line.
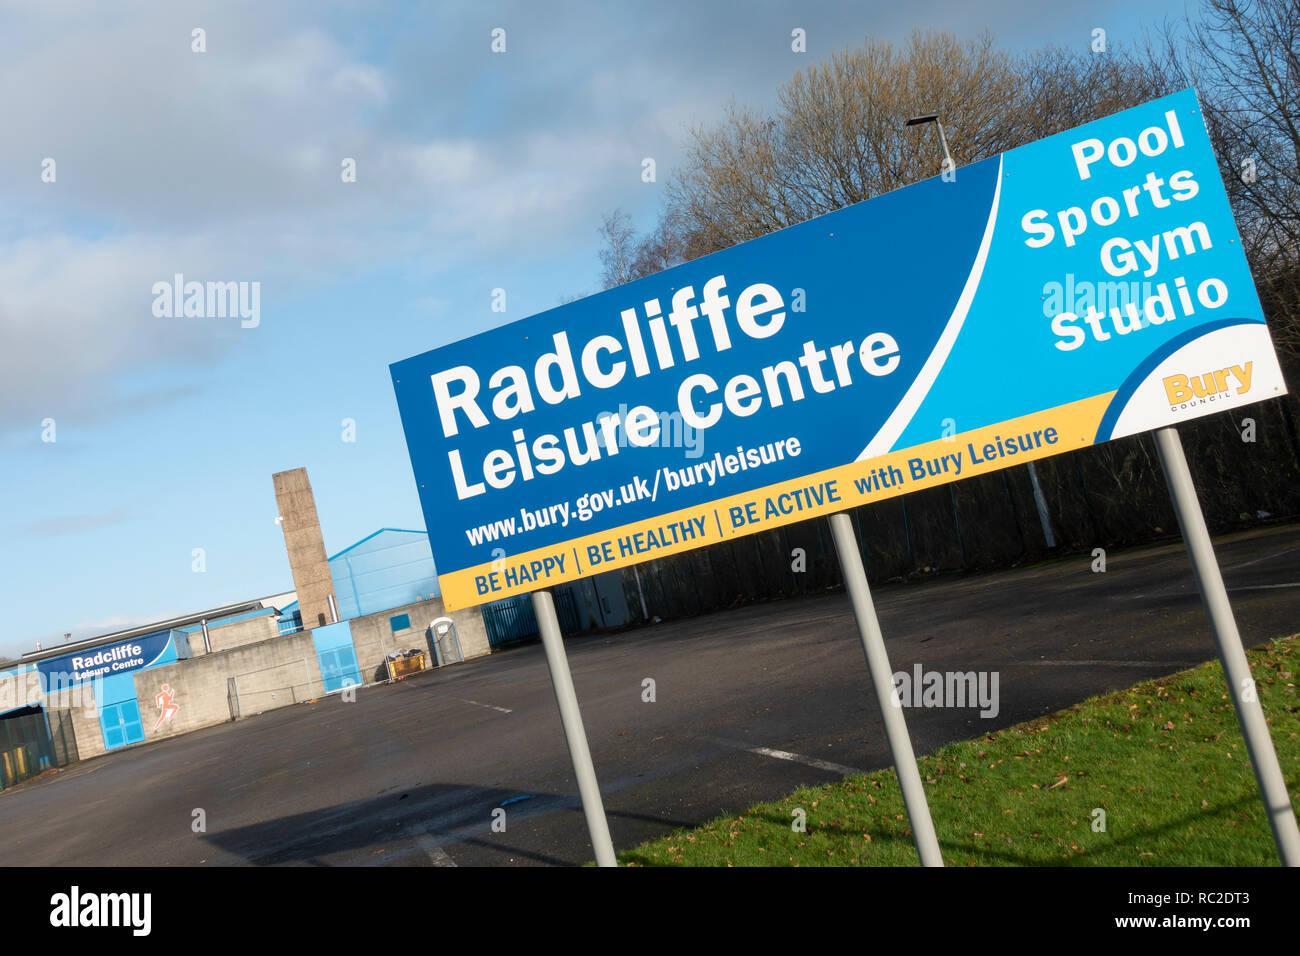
[[963, 455]]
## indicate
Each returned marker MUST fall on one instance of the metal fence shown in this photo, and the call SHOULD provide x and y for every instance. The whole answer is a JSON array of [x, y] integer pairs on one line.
[[253, 692], [245, 703], [512, 621], [31, 744]]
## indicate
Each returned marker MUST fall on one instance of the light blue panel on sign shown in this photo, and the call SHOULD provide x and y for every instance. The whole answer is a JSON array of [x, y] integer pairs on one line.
[[1014, 356]]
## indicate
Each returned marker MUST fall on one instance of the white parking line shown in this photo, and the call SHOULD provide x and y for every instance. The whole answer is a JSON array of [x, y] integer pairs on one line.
[[1267, 557], [437, 855], [826, 765], [1184, 586], [1100, 663], [504, 710], [420, 843], [810, 761]]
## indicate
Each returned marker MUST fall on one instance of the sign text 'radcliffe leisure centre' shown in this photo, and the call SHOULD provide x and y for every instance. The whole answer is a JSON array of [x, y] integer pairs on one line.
[[1084, 287]]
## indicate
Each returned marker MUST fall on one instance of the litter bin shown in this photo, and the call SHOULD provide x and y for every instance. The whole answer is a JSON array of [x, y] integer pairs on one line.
[[446, 643]]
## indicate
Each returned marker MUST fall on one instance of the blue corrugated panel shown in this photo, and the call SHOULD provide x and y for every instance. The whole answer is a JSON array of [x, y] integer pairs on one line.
[[387, 569]]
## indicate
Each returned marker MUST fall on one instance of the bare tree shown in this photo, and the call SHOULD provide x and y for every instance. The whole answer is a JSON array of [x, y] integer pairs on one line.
[[1061, 89], [664, 247], [837, 135], [1243, 57], [618, 236]]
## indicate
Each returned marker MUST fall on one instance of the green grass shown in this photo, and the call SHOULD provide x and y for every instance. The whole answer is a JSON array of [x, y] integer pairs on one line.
[[1165, 760]]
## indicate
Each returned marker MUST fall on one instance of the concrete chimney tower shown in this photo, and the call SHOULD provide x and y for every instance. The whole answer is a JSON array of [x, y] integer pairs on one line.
[[306, 547]]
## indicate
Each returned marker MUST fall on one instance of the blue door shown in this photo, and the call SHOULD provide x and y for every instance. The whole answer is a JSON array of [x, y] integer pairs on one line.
[[121, 724], [119, 714], [338, 668]]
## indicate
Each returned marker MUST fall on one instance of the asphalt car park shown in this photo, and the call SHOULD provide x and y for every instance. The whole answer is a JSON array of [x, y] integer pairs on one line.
[[747, 705]]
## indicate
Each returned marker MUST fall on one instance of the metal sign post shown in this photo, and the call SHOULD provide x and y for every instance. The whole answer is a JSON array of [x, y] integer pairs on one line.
[[873, 644], [574, 733], [1236, 669]]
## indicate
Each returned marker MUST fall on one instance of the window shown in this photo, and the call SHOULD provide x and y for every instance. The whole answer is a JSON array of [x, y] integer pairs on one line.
[[400, 623]]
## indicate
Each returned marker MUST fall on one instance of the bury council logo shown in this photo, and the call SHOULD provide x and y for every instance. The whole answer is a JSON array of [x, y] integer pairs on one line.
[[1184, 391]]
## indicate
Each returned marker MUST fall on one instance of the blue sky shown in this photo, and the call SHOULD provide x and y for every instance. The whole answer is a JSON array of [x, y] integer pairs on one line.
[[475, 171]]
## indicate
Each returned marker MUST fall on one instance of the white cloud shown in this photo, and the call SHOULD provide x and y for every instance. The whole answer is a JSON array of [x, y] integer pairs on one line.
[[63, 525], [226, 166]]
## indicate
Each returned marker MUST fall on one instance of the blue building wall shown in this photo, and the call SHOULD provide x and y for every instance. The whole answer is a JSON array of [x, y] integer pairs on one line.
[[112, 669], [387, 569]]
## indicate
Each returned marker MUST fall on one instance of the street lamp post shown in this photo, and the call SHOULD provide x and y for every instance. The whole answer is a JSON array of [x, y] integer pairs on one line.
[[934, 118]]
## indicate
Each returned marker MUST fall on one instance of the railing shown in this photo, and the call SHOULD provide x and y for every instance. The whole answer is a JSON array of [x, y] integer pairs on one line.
[[245, 701], [512, 621], [249, 702]]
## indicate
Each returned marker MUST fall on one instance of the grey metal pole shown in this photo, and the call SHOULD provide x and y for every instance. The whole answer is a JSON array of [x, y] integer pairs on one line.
[[383, 645], [1040, 502], [1236, 669], [873, 644], [944, 140], [571, 718], [645, 613]]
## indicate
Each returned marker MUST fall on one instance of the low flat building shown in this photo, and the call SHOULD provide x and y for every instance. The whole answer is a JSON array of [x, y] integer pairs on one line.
[[178, 675], [375, 612]]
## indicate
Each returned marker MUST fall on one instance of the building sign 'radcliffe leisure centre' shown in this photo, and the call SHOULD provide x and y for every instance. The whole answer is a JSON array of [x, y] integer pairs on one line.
[[1084, 287]]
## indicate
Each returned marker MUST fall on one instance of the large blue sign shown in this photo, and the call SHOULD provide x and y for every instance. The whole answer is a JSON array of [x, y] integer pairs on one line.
[[1083, 287], [107, 661]]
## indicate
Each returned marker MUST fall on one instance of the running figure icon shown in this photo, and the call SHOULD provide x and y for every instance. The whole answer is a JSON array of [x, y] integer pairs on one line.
[[166, 705]]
